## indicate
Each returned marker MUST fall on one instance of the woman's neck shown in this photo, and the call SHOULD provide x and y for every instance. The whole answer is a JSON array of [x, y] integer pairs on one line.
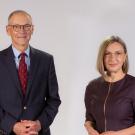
[[113, 77]]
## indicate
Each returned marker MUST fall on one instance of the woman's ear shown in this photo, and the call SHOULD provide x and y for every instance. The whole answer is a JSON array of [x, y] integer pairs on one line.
[[125, 57]]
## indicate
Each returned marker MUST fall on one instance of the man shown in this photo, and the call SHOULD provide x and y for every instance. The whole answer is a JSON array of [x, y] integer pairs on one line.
[[29, 98]]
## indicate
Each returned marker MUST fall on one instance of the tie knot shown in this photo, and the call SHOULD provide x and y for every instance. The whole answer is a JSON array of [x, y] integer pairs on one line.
[[22, 55]]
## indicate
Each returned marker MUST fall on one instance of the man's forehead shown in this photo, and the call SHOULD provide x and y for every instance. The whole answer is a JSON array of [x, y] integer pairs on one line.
[[20, 18]]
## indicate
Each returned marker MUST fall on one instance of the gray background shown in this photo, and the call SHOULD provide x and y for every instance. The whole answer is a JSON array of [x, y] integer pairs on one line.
[[72, 30]]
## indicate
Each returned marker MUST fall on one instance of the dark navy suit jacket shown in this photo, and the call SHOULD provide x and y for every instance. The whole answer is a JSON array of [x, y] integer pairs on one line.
[[41, 101]]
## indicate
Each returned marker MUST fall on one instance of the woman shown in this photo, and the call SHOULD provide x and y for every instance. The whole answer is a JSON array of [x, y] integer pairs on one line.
[[110, 99]]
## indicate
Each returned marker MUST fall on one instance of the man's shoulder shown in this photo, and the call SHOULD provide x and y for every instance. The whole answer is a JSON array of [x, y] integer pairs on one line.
[[5, 51], [40, 53]]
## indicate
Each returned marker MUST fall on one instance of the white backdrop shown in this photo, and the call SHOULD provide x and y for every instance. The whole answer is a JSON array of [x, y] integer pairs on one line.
[[72, 30]]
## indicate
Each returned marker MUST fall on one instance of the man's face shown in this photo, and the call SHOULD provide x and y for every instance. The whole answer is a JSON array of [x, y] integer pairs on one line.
[[20, 29]]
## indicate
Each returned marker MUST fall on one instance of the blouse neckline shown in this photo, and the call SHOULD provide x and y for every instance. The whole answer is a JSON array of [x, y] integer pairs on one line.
[[118, 81]]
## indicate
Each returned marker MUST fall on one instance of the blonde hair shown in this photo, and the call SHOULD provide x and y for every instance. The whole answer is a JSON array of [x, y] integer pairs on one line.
[[100, 59]]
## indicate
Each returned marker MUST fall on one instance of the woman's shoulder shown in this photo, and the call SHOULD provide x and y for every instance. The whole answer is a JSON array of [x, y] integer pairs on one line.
[[129, 84], [130, 78], [96, 81], [94, 85]]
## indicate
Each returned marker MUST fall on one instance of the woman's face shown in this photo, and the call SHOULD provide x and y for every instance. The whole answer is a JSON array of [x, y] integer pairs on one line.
[[114, 57]]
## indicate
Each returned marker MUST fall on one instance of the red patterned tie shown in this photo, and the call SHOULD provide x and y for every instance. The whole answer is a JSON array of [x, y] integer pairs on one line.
[[22, 72]]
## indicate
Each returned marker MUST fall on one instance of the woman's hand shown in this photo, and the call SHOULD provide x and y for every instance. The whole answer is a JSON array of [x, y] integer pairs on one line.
[[90, 129], [109, 133]]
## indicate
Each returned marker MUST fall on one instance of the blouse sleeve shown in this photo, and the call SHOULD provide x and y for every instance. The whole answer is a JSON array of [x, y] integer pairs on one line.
[[132, 93], [88, 114], [133, 100]]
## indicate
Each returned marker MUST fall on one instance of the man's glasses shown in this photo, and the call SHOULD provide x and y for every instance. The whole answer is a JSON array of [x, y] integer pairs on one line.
[[17, 28]]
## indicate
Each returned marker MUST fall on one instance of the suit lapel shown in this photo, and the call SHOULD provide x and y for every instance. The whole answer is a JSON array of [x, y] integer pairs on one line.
[[12, 70], [32, 71]]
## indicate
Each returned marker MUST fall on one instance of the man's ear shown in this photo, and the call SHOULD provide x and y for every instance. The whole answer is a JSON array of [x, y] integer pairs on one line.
[[32, 30], [8, 30]]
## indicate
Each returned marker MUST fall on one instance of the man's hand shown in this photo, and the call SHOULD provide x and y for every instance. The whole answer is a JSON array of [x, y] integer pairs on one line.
[[27, 127], [33, 125]]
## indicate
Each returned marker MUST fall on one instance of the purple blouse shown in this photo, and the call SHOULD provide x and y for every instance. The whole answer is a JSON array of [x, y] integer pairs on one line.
[[111, 106]]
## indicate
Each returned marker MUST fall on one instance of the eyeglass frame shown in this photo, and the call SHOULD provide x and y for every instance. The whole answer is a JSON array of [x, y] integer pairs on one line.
[[116, 54], [18, 27]]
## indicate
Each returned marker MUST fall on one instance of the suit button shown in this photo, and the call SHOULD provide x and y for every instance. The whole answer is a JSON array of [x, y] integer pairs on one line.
[[24, 107]]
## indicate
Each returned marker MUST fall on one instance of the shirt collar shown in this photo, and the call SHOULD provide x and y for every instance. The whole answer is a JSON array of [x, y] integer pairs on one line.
[[17, 52]]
